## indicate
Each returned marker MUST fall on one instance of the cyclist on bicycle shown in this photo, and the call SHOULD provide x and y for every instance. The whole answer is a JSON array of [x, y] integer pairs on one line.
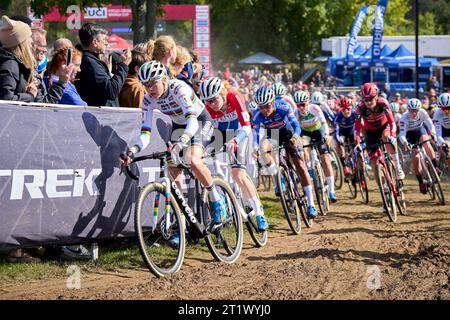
[[317, 98], [414, 127], [189, 116], [315, 129], [280, 91], [441, 120], [278, 115], [344, 124], [230, 117], [375, 119]]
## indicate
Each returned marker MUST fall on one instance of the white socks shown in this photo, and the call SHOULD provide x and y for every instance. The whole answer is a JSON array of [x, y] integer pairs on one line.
[[256, 206], [330, 182], [213, 194], [309, 195]]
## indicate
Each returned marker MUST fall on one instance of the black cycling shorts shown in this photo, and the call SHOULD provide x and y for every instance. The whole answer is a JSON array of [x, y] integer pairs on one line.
[[316, 137]]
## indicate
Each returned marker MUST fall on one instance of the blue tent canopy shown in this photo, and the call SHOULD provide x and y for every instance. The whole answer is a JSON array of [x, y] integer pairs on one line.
[[401, 53], [366, 59], [402, 57]]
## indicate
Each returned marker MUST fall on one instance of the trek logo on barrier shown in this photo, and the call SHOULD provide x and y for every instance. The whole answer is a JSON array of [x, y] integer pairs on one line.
[[59, 183], [52, 183]]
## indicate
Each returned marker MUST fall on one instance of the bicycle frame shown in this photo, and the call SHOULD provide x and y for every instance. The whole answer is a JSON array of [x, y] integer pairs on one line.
[[382, 155], [172, 189], [422, 156]]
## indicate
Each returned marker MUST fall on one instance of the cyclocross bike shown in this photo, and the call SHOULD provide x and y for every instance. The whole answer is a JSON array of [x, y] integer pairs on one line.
[[321, 188], [293, 201], [429, 174], [248, 215], [158, 216], [391, 189]]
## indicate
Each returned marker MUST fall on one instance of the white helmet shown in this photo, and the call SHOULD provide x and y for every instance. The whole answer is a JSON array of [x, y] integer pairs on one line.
[[317, 98], [395, 107], [252, 106], [152, 71], [279, 89], [210, 88], [444, 100], [264, 95], [301, 97], [414, 104]]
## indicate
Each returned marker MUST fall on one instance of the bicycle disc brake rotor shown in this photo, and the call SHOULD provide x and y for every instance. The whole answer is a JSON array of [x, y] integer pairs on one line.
[[166, 234]]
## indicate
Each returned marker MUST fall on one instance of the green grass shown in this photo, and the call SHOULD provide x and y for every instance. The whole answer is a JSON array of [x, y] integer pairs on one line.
[[109, 260], [123, 258]]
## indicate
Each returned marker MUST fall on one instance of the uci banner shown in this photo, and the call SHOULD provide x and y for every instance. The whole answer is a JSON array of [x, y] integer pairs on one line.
[[355, 31], [378, 29]]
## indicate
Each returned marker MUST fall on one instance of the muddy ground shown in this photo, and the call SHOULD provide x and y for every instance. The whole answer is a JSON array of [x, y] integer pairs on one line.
[[354, 252]]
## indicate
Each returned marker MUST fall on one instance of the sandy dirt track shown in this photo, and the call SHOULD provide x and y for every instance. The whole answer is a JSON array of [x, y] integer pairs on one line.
[[352, 253]]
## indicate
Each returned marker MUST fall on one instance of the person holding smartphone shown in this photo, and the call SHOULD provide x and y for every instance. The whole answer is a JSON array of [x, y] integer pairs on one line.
[[66, 56]]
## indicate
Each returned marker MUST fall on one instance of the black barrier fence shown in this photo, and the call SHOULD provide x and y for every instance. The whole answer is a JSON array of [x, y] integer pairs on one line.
[[60, 177]]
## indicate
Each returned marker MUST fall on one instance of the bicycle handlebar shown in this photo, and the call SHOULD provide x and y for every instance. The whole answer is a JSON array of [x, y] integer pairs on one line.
[[419, 144]]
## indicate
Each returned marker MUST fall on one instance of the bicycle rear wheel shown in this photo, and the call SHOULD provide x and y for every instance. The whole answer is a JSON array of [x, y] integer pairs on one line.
[[338, 170], [259, 237], [387, 194], [435, 182], [160, 256], [225, 240], [288, 201]]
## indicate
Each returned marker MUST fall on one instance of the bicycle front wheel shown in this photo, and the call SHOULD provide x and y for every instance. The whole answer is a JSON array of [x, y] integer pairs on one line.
[[225, 240], [435, 182], [338, 170], [158, 222], [259, 237], [387, 194], [288, 201], [320, 189], [362, 181]]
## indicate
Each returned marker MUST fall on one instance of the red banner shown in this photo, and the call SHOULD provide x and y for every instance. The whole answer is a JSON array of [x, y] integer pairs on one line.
[[124, 13]]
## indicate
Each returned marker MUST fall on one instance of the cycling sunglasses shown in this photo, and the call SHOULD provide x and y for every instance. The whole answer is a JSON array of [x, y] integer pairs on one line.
[[212, 100], [369, 99], [264, 106], [445, 108]]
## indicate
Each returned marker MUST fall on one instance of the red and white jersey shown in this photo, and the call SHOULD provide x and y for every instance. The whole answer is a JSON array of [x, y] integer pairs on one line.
[[235, 115]]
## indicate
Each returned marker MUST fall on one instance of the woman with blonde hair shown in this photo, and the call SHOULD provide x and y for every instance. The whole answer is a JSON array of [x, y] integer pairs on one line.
[[182, 68], [16, 62], [18, 75], [165, 50]]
